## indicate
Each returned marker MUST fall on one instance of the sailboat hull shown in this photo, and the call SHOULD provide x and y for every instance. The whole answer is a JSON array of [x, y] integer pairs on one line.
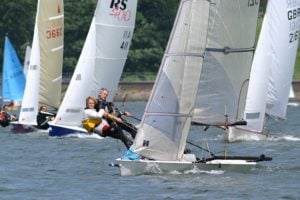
[[238, 134], [57, 130], [22, 128], [138, 167]]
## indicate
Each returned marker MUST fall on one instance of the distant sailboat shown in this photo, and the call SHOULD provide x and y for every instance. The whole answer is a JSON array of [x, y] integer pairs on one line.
[[202, 79], [272, 70], [13, 79], [100, 64], [44, 74]]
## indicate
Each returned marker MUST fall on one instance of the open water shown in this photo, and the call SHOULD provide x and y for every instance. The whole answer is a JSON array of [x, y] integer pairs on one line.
[[34, 166]]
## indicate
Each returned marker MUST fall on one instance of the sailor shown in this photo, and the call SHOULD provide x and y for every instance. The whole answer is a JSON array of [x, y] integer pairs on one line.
[[109, 107], [44, 117], [6, 117], [95, 121]]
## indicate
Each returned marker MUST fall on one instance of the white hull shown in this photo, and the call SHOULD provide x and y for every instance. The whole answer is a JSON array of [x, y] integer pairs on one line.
[[238, 134], [142, 167]]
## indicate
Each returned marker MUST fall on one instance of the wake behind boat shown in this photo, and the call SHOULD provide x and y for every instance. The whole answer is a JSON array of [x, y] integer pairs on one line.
[[202, 79]]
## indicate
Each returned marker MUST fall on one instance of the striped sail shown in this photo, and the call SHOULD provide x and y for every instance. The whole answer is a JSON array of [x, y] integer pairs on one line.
[[44, 73], [102, 58], [204, 70], [13, 78]]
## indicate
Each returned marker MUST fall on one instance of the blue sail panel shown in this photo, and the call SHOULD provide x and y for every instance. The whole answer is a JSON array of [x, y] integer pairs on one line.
[[13, 80]]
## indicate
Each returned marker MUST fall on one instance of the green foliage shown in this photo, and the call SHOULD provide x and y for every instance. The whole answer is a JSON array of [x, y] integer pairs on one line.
[[297, 66], [154, 22], [17, 20], [78, 17]]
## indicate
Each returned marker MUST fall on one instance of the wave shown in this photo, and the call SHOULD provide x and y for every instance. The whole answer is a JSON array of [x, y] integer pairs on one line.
[[285, 138], [83, 135], [294, 104]]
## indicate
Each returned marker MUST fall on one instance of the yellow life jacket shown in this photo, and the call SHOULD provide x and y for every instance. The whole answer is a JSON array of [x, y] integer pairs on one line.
[[90, 124]]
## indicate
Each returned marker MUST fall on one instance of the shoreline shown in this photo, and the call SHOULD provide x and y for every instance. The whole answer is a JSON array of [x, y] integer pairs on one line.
[[140, 91]]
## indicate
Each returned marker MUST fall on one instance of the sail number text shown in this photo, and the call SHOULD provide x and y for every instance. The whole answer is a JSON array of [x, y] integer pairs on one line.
[[253, 3], [54, 33], [126, 40], [294, 36], [54, 28]]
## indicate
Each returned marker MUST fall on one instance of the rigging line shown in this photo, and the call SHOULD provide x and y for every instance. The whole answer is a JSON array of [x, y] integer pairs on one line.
[[195, 145], [227, 50]]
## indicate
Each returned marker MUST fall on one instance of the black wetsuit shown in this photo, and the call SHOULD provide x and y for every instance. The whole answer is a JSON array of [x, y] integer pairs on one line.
[[130, 128], [116, 128], [42, 119]]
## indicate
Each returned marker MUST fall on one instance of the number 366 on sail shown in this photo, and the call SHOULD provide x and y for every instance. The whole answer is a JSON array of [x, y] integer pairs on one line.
[[54, 33]]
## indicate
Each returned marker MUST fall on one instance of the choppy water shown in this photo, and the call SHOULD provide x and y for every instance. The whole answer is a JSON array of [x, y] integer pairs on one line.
[[34, 166]]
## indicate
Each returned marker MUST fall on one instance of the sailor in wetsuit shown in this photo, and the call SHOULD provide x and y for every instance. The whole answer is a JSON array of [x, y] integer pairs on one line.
[[109, 107], [44, 117]]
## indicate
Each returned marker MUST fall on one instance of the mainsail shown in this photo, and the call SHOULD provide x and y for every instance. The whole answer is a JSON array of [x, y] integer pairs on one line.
[[13, 79], [102, 58], [203, 74], [273, 64], [44, 74]]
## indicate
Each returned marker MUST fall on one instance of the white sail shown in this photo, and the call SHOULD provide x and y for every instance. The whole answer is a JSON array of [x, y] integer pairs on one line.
[[43, 83], [203, 74], [285, 14], [102, 58], [273, 65], [26, 60]]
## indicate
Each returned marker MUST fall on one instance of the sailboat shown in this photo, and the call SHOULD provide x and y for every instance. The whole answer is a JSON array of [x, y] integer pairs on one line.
[[202, 79], [44, 78], [13, 79], [272, 71], [100, 64]]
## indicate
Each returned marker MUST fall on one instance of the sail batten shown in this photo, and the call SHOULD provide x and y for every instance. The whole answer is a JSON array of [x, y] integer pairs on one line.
[[112, 25], [230, 50], [167, 114], [56, 17], [185, 54]]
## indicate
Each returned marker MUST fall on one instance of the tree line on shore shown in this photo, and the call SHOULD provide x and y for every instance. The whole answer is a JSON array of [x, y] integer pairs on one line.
[[154, 22]]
